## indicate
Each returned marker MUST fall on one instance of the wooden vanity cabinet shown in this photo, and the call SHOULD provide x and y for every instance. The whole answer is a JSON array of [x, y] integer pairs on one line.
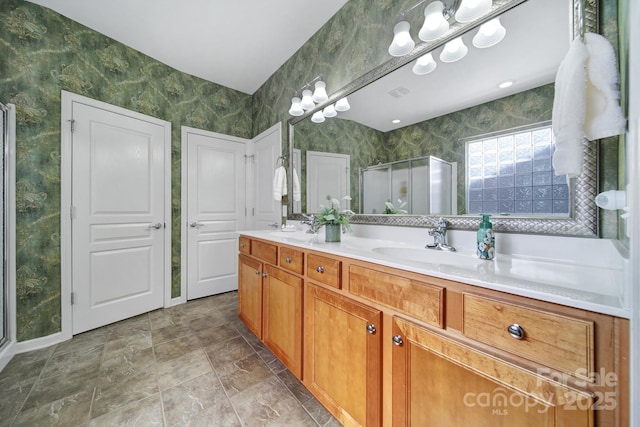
[[440, 382], [270, 303], [342, 363]]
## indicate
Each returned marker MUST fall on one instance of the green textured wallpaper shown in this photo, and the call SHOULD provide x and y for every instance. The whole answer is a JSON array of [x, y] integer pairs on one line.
[[44, 52]]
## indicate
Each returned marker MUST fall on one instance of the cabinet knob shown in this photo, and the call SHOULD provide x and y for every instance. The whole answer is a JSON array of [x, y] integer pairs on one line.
[[516, 331], [320, 269], [371, 328], [288, 260], [264, 274], [397, 340], [257, 272], [242, 245]]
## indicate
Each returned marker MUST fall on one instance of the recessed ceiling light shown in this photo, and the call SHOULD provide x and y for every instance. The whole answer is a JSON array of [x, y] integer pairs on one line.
[[506, 84], [395, 121]]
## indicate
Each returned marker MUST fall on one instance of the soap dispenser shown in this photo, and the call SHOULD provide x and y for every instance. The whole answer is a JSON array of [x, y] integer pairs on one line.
[[486, 239]]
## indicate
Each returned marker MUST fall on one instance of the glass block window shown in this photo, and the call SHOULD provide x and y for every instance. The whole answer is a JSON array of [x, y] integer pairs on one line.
[[510, 173]]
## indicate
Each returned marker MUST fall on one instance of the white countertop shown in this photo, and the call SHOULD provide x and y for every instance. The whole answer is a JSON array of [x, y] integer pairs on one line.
[[567, 282]]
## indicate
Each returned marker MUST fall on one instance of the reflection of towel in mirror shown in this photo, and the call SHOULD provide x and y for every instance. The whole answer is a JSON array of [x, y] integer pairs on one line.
[[604, 116], [569, 111], [296, 186], [279, 183]]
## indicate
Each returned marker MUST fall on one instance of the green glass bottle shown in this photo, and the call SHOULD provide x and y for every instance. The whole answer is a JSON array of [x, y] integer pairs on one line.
[[486, 239]]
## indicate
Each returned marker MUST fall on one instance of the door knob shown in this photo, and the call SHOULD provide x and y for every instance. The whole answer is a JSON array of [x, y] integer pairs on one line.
[[156, 226], [194, 224]]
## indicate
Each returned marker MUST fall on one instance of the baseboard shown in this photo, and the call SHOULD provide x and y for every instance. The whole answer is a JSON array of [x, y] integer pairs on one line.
[[38, 343], [6, 354]]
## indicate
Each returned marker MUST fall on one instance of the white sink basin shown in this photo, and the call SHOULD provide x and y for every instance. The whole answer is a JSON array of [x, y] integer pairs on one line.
[[431, 256]]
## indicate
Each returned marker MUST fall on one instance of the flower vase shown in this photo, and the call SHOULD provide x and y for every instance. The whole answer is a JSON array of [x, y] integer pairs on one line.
[[332, 232]]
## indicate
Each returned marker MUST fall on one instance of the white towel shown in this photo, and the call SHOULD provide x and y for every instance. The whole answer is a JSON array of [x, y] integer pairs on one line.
[[296, 186], [279, 183], [604, 116], [569, 111]]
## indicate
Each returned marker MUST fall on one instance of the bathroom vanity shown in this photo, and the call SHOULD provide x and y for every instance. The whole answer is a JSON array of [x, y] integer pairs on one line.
[[386, 334]]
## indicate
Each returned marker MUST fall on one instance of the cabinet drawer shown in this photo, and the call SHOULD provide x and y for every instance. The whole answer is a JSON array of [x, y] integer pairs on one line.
[[265, 251], [550, 339], [420, 300], [292, 260], [244, 245], [324, 270]]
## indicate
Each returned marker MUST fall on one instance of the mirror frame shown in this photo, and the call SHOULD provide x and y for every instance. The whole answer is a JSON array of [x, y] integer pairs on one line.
[[583, 220]]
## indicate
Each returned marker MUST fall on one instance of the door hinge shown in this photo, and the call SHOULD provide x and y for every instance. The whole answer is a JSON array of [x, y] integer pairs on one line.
[[72, 212], [73, 298], [73, 125]]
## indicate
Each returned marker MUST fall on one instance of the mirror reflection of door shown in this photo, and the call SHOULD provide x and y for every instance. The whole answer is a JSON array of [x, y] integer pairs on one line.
[[297, 166], [327, 176]]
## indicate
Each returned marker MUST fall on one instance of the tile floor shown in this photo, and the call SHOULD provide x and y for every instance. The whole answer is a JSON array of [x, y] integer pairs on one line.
[[194, 364]]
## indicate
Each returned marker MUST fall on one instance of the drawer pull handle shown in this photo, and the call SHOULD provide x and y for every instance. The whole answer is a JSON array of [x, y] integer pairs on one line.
[[242, 245], [371, 328], [288, 260], [264, 274], [257, 272], [320, 269], [516, 331], [397, 340]]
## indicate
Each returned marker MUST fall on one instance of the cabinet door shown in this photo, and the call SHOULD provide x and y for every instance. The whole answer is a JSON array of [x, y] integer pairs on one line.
[[342, 356], [250, 293], [440, 382], [282, 321]]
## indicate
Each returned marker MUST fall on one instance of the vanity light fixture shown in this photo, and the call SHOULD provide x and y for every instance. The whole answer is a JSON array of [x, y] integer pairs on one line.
[[307, 100], [329, 111], [343, 104], [490, 34], [470, 10], [424, 65], [317, 117], [435, 23], [402, 42], [320, 93], [296, 109], [454, 51]]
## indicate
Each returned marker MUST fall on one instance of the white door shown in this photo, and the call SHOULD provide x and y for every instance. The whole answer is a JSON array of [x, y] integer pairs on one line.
[[118, 226], [215, 210], [266, 154], [327, 175]]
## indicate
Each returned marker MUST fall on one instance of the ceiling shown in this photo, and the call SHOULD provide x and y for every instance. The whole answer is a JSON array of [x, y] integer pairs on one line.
[[537, 39], [234, 43]]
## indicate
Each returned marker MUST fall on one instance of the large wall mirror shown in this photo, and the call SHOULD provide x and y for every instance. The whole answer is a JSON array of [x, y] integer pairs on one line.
[[495, 141]]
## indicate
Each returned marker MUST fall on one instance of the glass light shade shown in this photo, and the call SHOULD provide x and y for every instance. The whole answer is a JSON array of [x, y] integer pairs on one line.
[[329, 111], [489, 34], [454, 51], [320, 94], [317, 117], [307, 102], [424, 65], [470, 10], [402, 42], [434, 23], [342, 104], [296, 108]]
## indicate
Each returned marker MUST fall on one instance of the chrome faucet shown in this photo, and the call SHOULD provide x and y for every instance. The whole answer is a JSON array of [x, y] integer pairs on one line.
[[312, 222], [439, 234]]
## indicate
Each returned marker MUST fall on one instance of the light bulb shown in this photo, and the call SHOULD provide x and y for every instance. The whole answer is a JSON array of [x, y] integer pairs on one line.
[[320, 94], [470, 10], [489, 34], [296, 108], [402, 42], [434, 23], [424, 65], [343, 104], [329, 111], [317, 117], [307, 101], [454, 51]]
